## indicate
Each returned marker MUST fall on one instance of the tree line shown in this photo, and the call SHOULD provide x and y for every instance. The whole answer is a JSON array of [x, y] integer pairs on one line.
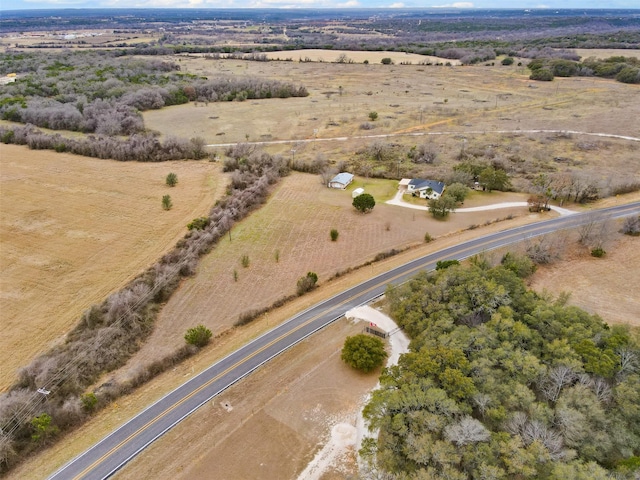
[[501, 382], [109, 333], [623, 69], [141, 147]]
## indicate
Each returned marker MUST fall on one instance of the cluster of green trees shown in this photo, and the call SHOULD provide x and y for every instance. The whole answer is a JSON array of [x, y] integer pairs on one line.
[[503, 383], [453, 196], [623, 69]]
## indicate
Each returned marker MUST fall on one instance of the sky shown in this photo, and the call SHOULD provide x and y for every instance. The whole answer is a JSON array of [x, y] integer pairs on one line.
[[579, 4]]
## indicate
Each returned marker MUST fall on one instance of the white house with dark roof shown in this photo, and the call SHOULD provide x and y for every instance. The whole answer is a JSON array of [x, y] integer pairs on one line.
[[430, 189], [341, 180]]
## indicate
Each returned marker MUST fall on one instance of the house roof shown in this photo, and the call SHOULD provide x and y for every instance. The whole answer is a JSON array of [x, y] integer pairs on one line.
[[420, 184], [344, 178]]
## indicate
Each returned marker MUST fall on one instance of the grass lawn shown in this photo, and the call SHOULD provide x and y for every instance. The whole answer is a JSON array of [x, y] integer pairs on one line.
[[381, 189]]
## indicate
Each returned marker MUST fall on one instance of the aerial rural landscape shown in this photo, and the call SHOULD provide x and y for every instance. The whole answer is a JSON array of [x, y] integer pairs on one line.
[[320, 243]]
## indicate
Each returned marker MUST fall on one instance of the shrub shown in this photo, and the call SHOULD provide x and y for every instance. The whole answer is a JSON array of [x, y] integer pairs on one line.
[[172, 179], [598, 252], [166, 202], [244, 260], [199, 223], [521, 265], [627, 187], [386, 61], [89, 401], [43, 427], [542, 75], [428, 238], [373, 116], [507, 61], [631, 226], [443, 264], [333, 234], [629, 75], [306, 283], [364, 203], [198, 336], [363, 352]]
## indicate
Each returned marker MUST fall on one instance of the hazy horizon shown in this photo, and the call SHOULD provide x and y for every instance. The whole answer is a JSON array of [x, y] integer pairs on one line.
[[309, 4]]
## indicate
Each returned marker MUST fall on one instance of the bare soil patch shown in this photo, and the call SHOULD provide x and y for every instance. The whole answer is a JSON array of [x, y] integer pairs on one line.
[[75, 229]]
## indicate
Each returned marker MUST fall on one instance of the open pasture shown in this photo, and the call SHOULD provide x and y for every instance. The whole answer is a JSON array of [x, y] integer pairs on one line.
[[284, 240], [75, 229], [491, 112]]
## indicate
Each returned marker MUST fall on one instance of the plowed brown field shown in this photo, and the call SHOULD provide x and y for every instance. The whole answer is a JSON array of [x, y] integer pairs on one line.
[[74, 229]]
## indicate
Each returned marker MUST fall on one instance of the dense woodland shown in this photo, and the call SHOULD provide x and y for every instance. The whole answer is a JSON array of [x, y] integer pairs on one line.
[[100, 92], [501, 382]]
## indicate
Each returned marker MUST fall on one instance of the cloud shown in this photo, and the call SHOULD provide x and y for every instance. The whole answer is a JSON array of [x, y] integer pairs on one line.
[[455, 5], [397, 5]]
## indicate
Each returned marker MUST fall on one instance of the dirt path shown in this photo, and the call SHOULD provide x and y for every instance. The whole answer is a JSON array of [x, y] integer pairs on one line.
[[420, 134], [398, 201]]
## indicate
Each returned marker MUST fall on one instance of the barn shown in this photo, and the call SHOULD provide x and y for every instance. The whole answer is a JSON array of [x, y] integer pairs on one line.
[[342, 180]]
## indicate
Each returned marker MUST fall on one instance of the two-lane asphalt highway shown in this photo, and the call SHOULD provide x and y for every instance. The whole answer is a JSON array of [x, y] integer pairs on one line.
[[115, 450]]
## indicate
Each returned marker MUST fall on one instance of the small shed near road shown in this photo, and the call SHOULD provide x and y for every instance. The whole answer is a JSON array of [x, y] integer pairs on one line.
[[342, 180], [356, 192]]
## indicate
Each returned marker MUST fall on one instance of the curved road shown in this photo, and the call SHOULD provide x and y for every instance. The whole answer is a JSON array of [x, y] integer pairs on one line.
[[115, 450]]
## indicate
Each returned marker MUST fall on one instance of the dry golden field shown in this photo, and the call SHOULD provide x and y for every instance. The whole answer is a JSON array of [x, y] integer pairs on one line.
[[607, 288], [347, 56], [74, 229], [492, 112], [607, 52]]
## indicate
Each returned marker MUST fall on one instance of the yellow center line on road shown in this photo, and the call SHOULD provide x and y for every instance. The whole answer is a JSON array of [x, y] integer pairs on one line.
[[244, 360], [217, 377], [459, 254]]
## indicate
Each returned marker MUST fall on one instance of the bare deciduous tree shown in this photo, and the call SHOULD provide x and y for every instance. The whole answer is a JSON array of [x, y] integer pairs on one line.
[[468, 430], [545, 249], [557, 378], [595, 231]]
